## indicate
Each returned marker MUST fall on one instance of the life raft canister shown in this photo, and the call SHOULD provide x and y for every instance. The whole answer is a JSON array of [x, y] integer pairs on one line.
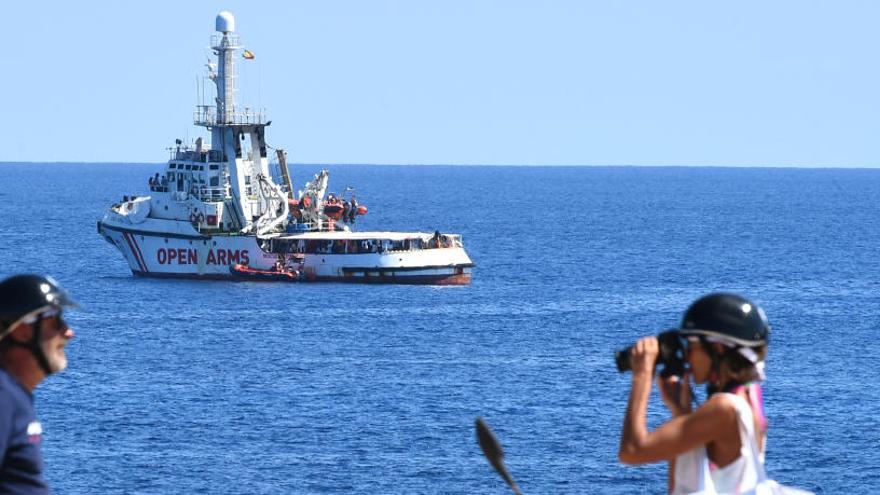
[[196, 217]]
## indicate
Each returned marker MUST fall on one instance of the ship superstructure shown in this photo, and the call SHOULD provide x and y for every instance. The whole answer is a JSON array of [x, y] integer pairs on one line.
[[216, 209]]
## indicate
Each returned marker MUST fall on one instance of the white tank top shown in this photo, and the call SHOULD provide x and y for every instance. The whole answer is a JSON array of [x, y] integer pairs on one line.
[[694, 474]]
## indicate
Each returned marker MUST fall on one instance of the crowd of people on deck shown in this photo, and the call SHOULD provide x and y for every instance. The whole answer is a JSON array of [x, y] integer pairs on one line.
[[337, 208], [158, 184], [362, 246]]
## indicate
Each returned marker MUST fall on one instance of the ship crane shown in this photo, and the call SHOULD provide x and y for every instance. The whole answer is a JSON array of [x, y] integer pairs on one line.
[[274, 202]]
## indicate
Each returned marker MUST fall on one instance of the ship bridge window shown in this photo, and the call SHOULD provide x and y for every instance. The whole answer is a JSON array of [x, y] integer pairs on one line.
[[214, 167], [188, 167], [173, 165]]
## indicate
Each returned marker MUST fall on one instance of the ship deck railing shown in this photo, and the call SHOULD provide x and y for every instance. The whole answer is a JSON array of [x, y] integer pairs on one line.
[[364, 243], [209, 195], [197, 156], [232, 41], [206, 115]]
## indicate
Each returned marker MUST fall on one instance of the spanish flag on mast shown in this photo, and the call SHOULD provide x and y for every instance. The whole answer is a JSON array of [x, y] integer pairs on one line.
[[248, 54]]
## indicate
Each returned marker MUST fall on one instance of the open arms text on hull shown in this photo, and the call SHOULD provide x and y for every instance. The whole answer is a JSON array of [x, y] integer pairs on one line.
[[216, 205]]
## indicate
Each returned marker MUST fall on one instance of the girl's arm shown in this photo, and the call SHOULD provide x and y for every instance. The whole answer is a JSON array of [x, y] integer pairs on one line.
[[678, 435], [676, 393]]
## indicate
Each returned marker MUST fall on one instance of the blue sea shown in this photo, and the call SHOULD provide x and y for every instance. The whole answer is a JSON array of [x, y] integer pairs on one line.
[[251, 388]]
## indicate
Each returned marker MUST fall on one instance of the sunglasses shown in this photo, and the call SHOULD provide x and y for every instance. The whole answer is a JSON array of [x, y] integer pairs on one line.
[[49, 314]]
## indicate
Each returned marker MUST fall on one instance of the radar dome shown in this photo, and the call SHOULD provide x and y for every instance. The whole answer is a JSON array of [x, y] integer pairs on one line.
[[225, 22]]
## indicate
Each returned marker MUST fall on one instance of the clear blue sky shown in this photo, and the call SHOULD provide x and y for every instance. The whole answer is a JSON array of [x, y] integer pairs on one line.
[[781, 83]]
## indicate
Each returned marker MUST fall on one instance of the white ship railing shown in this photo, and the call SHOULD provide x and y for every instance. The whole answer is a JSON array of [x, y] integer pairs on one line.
[[375, 245], [208, 195], [207, 116], [232, 39], [205, 156]]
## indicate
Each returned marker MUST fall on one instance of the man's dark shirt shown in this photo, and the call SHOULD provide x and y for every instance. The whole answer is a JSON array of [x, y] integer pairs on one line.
[[21, 471]]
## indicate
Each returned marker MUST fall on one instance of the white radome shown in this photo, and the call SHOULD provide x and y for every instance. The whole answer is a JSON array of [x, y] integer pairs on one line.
[[225, 22]]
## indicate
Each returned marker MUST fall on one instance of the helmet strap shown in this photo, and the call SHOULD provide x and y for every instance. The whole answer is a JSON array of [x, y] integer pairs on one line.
[[713, 384], [34, 346]]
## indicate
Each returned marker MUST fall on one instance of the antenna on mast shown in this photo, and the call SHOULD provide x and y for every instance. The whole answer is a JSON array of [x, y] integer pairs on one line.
[[225, 48]]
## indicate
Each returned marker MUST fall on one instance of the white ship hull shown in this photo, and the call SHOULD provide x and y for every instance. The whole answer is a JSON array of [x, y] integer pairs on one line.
[[216, 211], [163, 255]]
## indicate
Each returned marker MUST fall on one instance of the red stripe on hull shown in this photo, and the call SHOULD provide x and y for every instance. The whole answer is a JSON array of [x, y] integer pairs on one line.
[[460, 279], [451, 279], [134, 251], [139, 253]]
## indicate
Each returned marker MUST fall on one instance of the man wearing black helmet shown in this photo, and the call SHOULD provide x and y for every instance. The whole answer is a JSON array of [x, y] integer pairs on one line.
[[33, 336], [719, 446]]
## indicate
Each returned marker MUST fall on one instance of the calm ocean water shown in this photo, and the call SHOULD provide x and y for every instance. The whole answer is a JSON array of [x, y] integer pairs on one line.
[[217, 387]]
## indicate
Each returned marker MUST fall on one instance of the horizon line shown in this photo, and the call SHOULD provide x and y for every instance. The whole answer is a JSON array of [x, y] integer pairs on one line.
[[551, 165]]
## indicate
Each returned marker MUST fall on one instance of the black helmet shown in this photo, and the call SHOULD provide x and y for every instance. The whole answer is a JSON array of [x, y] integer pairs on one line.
[[728, 316], [24, 295]]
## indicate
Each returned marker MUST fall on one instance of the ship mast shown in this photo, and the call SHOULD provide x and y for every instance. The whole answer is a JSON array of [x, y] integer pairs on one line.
[[225, 48], [256, 200]]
